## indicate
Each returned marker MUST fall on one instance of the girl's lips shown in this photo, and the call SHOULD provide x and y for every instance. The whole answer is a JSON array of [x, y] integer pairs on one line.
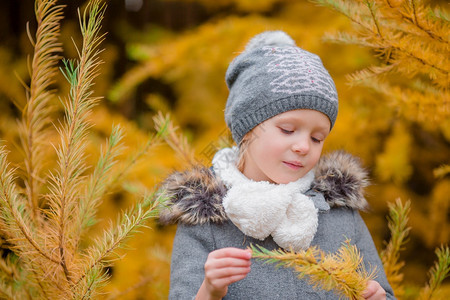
[[293, 165]]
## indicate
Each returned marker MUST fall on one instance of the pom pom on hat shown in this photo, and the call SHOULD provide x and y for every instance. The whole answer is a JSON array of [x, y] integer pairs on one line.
[[270, 38]]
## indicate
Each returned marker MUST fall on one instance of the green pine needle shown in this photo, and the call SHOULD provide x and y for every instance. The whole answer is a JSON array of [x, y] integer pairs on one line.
[[438, 273]]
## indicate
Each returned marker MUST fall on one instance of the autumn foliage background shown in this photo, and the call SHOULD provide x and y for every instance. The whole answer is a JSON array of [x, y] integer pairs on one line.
[[171, 56]]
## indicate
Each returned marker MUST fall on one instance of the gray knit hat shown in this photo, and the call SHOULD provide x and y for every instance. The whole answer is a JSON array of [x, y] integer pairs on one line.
[[273, 76]]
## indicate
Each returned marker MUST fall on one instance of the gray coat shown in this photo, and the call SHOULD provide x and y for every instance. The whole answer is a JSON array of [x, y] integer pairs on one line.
[[196, 206]]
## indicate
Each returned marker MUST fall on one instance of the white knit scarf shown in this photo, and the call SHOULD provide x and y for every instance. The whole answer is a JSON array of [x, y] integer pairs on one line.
[[261, 208]]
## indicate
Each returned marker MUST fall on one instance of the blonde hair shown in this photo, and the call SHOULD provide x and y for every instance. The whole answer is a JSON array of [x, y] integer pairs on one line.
[[243, 146]]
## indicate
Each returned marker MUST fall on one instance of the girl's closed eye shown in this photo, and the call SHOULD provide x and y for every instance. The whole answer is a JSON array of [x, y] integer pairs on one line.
[[316, 140], [286, 131]]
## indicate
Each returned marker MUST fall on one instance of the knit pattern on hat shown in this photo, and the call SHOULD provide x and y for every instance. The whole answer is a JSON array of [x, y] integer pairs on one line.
[[273, 76]]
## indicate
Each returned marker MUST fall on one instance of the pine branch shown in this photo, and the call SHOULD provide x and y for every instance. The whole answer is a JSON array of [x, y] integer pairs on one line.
[[65, 184], [354, 11], [422, 59], [342, 272], [27, 222], [394, 43], [177, 142], [411, 40], [371, 7], [96, 279], [7, 273], [39, 282], [7, 270], [52, 264], [351, 39], [101, 252], [361, 76], [414, 103], [440, 15], [99, 181], [417, 19], [153, 141], [397, 223], [6, 291], [13, 215], [437, 273], [413, 16], [35, 115]]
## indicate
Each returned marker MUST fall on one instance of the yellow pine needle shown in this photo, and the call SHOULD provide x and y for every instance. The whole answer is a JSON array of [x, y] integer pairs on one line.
[[342, 272], [177, 142], [99, 180], [397, 223], [411, 41], [35, 114], [65, 185], [51, 261], [102, 251], [153, 141], [12, 213]]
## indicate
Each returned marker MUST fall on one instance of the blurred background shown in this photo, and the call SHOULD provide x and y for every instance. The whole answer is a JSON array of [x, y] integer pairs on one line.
[[171, 56]]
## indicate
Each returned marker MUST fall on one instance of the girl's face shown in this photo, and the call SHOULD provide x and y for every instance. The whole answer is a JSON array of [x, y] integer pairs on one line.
[[285, 147]]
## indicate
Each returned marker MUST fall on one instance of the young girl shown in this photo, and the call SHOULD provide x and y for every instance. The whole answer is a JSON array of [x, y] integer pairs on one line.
[[274, 190]]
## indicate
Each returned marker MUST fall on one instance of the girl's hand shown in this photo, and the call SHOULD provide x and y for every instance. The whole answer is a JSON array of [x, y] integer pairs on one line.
[[222, 268], [374, 291]]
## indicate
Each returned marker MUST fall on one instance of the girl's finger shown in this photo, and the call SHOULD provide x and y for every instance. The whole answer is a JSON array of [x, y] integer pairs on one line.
[[226, 262], [226, 272], [231, 252], [226, 281], [374, 291]]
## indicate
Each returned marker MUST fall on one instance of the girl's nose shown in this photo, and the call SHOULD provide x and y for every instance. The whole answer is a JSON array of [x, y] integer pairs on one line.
[[301, 146]]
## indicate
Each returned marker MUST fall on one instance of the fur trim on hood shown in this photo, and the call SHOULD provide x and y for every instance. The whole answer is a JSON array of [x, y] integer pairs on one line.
[[341, 179], [195, 196]]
